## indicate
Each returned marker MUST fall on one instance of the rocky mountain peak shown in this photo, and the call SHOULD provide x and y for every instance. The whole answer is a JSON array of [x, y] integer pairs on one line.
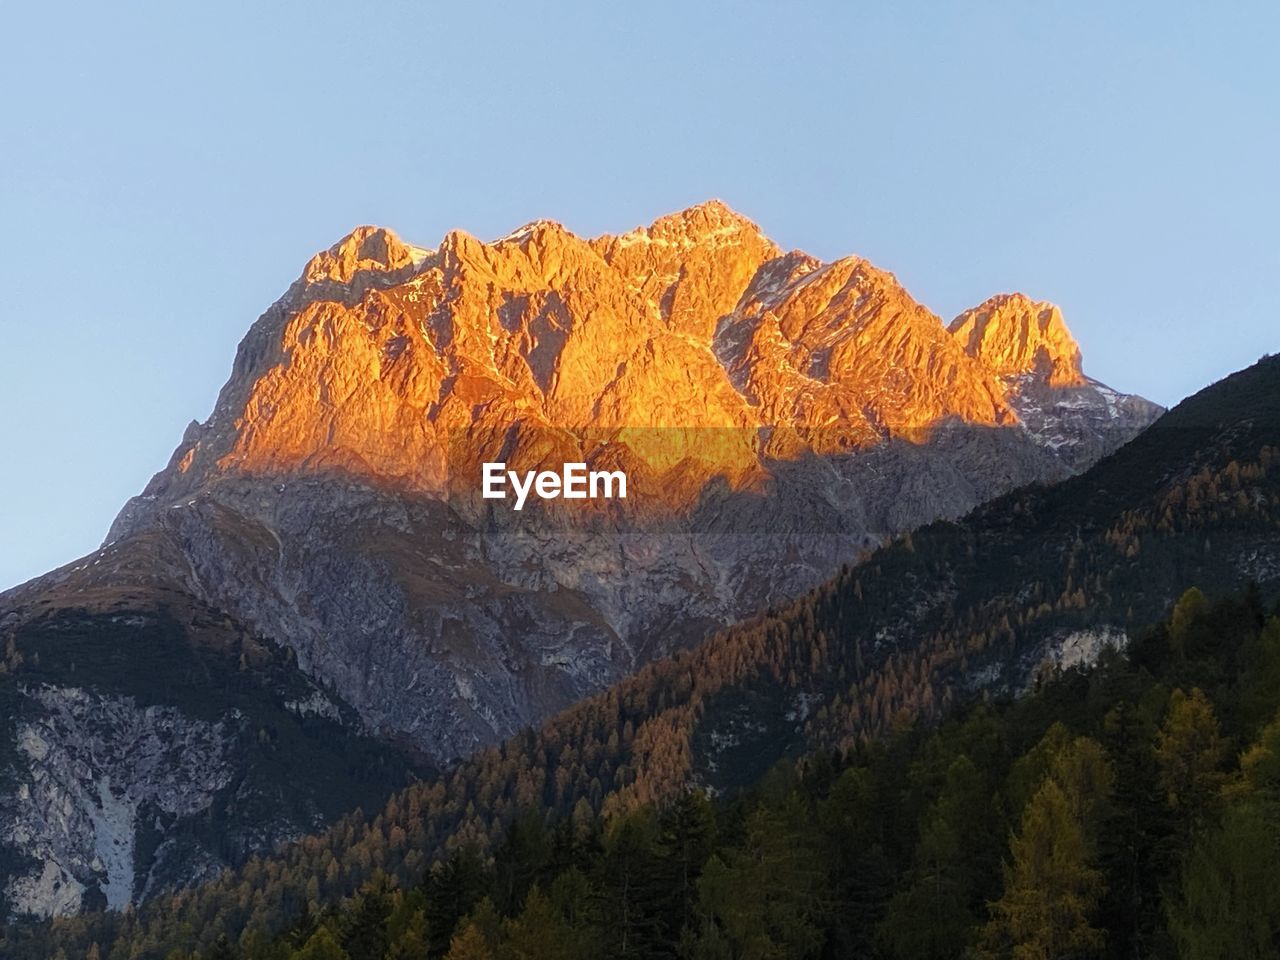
[[384, 352], [712, 222], [1013, 335], [364, 248]]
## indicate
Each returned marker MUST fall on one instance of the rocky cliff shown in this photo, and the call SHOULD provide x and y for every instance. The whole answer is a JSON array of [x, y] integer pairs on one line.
[[151, 741], [776, 417], [1012, 335]]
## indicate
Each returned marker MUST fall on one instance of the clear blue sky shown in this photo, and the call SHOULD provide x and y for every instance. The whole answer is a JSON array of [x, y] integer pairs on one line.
[[166, 169]]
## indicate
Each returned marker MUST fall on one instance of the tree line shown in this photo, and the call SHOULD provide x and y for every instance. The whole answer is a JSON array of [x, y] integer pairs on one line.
[[1127, 810]]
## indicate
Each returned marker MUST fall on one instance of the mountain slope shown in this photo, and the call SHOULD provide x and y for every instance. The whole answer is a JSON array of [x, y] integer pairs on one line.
[[156, 741], [776, 416], [1040, 578]]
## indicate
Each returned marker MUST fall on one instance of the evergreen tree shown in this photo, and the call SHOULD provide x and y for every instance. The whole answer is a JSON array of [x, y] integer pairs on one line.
[[1050, 887], [1229, 907], [407, 928], [453, 889], [1190, 751], [470, 944], [304, 926], [574, 900], [1261, 678], [1186, 624], [765, 898], [932, 916], [478, 936], [223, 949], [539, 933], [1134, 850], [322, 945], [519, 862], [632, 888], [853, 851], [686, 840], [364, 933]]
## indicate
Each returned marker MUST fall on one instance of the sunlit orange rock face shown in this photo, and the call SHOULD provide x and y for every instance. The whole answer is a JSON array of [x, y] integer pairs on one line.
[[1011, 334], [403, 365]]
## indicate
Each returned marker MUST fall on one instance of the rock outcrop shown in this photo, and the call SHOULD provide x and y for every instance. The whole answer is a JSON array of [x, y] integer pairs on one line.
[[152, 741], [1011, 335], [96, 765]]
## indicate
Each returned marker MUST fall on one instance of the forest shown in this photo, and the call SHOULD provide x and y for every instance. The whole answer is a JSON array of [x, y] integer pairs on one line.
[[1127, 810]]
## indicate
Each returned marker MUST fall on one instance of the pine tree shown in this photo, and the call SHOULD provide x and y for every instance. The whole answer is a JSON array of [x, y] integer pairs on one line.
[[322, 945], [931, 916], [853, 852], [519, 862], [453, 888], [1050, 888], [539, 933], [631, 886], [407, 928], [1261, 695], [223, 949], [576, 903], [364, 935], [1134, 852], [470, 944], [1186, 623], [1190, 751], [1229, 907], [765, 898], [687, 838]]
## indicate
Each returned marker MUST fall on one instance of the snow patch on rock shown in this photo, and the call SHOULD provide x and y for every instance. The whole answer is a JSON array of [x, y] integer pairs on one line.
[[314, 705]]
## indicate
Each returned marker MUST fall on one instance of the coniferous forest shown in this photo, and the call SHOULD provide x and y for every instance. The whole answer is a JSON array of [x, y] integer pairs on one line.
[[1130, 809]]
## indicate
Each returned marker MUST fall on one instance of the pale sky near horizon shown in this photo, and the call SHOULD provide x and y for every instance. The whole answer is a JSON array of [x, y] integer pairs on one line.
[[166, 170]]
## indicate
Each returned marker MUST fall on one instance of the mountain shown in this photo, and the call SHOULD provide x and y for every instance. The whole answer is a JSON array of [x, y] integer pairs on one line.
[[743, 390], [1016, 593], [776, 417]]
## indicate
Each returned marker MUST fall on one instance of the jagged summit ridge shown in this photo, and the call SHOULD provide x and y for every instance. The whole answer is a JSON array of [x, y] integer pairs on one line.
[[816, 406], [382, 351], [710, 223], [364, 248]]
